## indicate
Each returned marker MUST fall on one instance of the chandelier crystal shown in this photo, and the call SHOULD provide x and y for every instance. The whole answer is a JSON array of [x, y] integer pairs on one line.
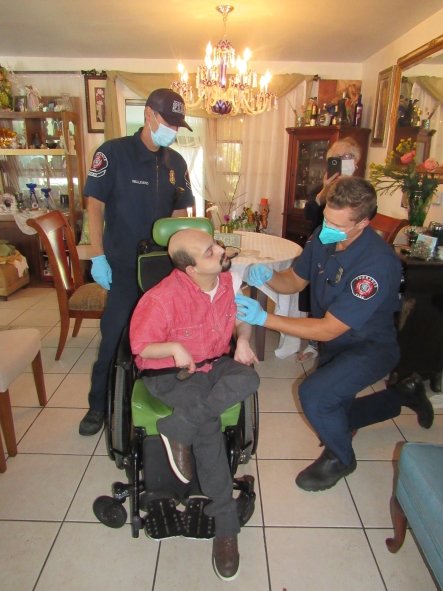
[[219, 92]]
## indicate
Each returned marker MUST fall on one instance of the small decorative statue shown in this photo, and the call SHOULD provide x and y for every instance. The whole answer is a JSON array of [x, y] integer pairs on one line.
[[33, 98]]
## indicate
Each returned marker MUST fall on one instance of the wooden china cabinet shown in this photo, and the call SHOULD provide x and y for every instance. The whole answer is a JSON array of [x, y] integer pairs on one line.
[[306, 168]]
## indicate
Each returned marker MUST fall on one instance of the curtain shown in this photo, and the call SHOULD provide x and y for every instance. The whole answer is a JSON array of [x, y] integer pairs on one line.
[[144, 84]]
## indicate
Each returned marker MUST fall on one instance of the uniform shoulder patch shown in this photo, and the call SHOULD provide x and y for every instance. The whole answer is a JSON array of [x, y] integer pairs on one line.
[[364, 287], [99, 165]]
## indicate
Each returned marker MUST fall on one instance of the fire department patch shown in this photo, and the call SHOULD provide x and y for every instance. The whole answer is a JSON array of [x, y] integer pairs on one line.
[[364, 287], [99, 165], [172, 177]]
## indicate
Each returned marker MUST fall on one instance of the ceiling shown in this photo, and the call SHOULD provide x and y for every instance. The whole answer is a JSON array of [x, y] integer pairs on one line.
[[274, 30]]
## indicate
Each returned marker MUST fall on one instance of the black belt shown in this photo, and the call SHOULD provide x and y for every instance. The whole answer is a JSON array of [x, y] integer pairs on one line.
[[181, 373]]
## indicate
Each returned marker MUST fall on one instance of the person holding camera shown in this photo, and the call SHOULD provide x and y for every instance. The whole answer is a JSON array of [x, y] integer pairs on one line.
[[355, 278]]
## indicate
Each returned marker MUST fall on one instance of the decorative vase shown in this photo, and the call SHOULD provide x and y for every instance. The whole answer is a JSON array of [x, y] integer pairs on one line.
[[225, 229], [418, 207]]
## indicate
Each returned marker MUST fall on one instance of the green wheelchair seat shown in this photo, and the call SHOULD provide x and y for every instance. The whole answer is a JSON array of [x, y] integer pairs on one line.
[[146, 410]]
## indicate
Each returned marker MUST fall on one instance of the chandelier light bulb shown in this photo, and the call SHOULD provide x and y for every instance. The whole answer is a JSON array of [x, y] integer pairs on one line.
[[247, 54]]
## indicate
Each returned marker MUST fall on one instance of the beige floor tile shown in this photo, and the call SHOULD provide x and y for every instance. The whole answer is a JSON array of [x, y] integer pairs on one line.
[[412, 431], [85, 361], [38, 318], [97, 481], [23, 419], [371, 486], [96, 340], [377, 442], [40, 487], [101, 449], [23, 392], [285, 436], [82, 340], [272, 366], [284, 504], [49, 302], [65, 364], [404, 571], [193, 565], [279, 395], [92, 557], [72, 392], [56, 432], [305, 559], [87, 323], [24, 550], [9, 315]]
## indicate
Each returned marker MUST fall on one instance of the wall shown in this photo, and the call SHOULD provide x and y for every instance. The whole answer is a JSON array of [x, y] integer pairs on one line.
[[388, 56]]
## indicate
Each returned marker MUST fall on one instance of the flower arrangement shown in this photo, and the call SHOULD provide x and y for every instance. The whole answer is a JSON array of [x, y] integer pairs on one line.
[[230, 219], [400, 172]]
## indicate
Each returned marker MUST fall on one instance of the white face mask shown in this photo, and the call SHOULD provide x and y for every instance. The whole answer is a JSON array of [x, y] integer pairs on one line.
[[348, 167]]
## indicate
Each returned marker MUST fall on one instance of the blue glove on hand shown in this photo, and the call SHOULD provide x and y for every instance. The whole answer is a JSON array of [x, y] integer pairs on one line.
[[249, 310], [259, 274], [101, 271]]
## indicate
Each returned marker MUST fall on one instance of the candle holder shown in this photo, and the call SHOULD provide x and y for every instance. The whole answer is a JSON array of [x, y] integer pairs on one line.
[[32, 195]]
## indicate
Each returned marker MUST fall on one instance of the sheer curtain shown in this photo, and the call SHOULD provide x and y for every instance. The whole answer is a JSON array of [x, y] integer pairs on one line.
[[429, 92]]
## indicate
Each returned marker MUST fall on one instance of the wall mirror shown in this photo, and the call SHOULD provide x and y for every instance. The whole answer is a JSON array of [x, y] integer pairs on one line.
[[419, 78]]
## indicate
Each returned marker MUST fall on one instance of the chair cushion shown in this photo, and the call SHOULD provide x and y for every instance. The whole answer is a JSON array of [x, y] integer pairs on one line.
[[90, 297], [420, 493], [146, 410], [18, 349]]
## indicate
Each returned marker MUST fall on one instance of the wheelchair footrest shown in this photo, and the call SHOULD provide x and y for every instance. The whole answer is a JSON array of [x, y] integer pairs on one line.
[[163, 520], [197, 524]]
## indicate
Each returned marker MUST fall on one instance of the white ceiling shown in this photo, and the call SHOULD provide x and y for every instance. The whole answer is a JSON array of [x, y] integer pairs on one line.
[[274, 30]]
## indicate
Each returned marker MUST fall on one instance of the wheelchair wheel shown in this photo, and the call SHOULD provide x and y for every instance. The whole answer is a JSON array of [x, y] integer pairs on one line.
[[121, 418], [249, 416], [110, 512]]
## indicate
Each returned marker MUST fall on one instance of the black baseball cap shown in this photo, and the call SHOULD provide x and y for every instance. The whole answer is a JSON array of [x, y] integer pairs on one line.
[[170, 105]]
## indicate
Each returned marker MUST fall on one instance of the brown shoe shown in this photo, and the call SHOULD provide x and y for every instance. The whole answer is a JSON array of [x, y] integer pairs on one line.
[[179, 457], [225, 557]]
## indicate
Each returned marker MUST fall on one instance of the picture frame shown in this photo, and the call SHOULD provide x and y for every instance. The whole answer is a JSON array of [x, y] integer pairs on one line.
[[51, 105], [95, 90], [20, 104], [383, 105]]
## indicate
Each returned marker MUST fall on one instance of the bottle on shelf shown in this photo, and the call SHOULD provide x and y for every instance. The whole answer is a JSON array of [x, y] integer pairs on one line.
[[324, 118], [407, 121], [314, 113], [336, 116], [342, 111], [358, 112]]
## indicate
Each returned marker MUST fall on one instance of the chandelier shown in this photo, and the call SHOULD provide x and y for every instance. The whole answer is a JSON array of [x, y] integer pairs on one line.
[[221, 93]]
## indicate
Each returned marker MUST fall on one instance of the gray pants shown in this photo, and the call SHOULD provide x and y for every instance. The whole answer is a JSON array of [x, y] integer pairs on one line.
[[198, 403]]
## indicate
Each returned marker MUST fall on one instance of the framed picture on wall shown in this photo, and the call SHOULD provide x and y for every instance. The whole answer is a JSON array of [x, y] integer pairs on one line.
[[19, 104], [382, 113], [95, 89]]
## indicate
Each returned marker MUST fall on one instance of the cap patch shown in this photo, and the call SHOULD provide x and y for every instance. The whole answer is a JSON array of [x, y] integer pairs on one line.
[[99, 165], [178, 107], [364, 287]]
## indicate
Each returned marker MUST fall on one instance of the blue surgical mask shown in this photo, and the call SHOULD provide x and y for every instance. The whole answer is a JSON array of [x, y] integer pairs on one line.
[[164, 136], [330, 235]]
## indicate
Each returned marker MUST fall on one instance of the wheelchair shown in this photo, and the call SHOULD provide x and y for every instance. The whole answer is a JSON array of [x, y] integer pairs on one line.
[[159, 502]]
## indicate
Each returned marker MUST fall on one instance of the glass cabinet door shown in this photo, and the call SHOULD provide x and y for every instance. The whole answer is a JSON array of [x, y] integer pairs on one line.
[[311, 167]]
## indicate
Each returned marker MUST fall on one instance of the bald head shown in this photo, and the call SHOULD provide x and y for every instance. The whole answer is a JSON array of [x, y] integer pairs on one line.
[[181, 245]]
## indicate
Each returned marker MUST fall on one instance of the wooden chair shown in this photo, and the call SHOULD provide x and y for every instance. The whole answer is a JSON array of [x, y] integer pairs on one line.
[[18, 348], [387, 227], [75, 298]]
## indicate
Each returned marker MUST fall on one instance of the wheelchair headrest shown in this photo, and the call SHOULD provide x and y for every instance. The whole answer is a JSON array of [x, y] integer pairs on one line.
[[165, 227]]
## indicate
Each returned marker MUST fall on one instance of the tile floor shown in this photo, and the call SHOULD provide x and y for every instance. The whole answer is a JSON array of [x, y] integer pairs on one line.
[[298, 541]]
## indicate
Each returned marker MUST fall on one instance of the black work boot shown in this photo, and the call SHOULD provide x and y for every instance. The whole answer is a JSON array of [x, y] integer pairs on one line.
[[324, 473], [412, 393], [92, 422], [225, 557]]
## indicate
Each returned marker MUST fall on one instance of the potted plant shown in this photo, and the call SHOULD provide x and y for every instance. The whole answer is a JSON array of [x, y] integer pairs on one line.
[[418, 183]]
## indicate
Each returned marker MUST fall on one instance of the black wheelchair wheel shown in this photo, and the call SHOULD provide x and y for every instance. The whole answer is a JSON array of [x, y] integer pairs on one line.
[[249, 416], [110, 512], [121, 418]]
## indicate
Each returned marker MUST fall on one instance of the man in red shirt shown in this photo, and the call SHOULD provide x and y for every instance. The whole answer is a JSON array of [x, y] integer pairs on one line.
[[185, 324]]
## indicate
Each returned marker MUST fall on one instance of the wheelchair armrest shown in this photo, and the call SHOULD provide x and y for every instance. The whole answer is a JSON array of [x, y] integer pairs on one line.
[[124, 354]]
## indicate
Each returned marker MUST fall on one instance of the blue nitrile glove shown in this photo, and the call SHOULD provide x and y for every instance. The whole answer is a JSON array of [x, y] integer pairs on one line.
[[250, 311], [101, 271], [259, 274]]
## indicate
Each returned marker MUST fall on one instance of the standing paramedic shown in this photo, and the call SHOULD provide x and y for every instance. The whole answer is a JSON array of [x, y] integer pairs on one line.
[[355, 278], [133, 181], [187, 321]]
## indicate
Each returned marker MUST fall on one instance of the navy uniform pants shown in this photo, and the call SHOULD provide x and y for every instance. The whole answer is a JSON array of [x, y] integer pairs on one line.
[[198, 403], [121, 300], [328, 395]]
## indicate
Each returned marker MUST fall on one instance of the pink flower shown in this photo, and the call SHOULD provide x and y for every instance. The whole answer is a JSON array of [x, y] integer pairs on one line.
[[408, 157], [226, 218], [430, 164]]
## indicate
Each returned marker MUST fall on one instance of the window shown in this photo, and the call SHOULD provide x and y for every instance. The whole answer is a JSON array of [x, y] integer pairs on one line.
[[229, 147]]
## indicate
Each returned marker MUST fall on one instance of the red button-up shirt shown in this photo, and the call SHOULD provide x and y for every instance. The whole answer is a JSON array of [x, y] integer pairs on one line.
[[177, 310]]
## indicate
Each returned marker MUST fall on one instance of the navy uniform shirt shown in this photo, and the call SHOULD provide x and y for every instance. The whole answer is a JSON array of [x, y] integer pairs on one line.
[[358, 285], [138, 187]]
